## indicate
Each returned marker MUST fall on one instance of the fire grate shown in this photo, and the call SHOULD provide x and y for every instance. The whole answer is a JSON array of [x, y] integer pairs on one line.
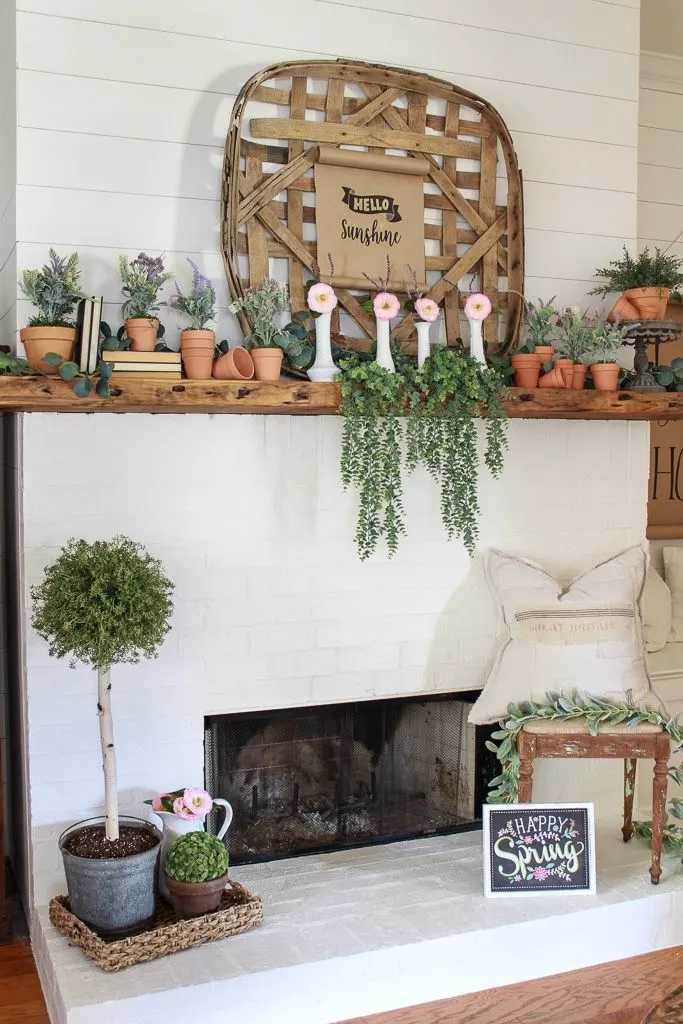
[[310, 779]]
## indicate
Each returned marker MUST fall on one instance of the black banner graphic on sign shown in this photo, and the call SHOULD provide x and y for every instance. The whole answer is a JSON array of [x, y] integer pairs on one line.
[[534, 848], [371, 204]]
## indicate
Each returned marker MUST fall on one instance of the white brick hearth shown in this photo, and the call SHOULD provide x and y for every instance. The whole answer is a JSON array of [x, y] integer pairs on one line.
[[358, 932]]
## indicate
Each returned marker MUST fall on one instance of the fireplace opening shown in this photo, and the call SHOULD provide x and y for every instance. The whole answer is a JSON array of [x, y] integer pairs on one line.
[[304, 780]]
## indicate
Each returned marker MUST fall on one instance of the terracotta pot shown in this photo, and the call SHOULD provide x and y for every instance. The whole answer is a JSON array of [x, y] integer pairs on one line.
[[192, 899], [235, 364], [579, 377], [605, 376], [197, 349], [649, 302], [267, 363], [142, 332], [38, 341], [544, 354], [622, 310], [527, 369], [554, 379], [566, 368]]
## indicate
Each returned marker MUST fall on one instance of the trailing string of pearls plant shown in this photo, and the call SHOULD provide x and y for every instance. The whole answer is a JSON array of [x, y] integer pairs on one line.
[[438, 399]]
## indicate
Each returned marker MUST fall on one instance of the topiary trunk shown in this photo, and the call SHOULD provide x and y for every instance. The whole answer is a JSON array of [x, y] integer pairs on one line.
[[111, 798]]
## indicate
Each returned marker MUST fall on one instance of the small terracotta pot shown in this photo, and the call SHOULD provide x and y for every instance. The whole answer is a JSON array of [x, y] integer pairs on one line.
[[192, 899], [267, 363], [197, 349], [38, 341], [622, 310], [235, 364], [566, 368], [142, 332], [649, 302], [605, 376], [579, 377], [554, 379], [527, 369], [544, 354]]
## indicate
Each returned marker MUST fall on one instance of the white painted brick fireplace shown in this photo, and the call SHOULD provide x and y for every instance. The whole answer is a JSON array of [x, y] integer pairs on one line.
[[272, 606]]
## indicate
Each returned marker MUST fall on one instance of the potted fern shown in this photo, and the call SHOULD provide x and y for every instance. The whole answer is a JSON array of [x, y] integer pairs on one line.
[[196, 872], [645, 283], [105, 604], [141, 282], [54, 290]]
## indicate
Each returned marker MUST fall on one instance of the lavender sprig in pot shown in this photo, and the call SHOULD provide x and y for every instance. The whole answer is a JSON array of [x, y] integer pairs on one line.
[[197, 343], [141, 282]]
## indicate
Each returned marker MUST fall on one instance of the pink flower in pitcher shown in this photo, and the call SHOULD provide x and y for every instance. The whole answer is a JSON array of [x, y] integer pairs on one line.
[[183, 811], [477, 306], [157, 804], [198, 801], [427, 310], [386, 306], [321, 298]]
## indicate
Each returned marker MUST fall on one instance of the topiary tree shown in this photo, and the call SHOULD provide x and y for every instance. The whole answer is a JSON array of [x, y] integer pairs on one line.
[[104, 604]]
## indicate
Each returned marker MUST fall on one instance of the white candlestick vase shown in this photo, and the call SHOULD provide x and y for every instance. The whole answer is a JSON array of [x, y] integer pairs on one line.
[[477, 341], [323, 369], [383, 355], [423, 349]]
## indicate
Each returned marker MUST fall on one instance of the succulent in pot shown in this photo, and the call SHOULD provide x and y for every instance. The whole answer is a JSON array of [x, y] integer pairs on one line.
[[54, 290], [196, 872], [104, 604], [141, 282], [197, 343], [645, 283]]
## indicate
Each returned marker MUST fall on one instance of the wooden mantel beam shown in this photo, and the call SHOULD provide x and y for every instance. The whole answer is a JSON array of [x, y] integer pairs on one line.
[[41, 394]]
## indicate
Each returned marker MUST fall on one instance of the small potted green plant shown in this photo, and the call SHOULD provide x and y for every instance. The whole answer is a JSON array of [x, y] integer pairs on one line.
[[54, 290], [605, 341], [574, 336], [645, 283], [196, 872], [105, 604], [268, 341], [536, 350], [141, 282], [197, 344]]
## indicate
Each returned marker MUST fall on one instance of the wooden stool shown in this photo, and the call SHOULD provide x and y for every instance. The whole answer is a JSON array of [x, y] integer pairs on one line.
[[548, 738]]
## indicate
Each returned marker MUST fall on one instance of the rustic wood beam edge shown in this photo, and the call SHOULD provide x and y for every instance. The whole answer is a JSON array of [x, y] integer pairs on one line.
[[36, 394]]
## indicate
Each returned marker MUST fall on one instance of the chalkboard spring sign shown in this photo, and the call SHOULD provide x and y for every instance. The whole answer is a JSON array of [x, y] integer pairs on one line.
[[530, 849]]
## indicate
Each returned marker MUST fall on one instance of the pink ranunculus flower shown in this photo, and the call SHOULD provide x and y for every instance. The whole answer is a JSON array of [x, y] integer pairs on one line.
[[182, 810], [198, 801], [427, 310], [477, 306], [321, 298], [156, 802], [386, 306]]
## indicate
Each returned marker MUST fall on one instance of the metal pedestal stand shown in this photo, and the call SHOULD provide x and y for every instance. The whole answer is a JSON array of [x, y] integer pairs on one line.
[[649, 332]]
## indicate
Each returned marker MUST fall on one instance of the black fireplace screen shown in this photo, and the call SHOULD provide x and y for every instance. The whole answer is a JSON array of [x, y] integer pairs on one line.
[[322, 778]]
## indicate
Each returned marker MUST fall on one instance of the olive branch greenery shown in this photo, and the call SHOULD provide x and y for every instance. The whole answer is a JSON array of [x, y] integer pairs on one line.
[[504, 788], [440, 402]]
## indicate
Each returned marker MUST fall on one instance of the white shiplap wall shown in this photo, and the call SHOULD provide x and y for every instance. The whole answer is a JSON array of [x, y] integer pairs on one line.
[[8, 176], [124, 108], [660, 153]]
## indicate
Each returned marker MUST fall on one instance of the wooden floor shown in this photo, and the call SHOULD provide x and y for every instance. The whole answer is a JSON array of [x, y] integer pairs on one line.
[[619, 993]]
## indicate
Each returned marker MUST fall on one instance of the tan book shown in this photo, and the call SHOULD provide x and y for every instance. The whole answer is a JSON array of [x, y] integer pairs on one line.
[[133, 358], [120, 378]]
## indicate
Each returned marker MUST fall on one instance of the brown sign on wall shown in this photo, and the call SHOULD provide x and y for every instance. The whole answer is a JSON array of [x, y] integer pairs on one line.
[[665, 505], [370, 208]]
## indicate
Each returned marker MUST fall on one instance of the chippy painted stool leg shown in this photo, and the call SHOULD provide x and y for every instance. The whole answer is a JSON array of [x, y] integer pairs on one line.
[[630, 766], [526, 747], [659, 804]]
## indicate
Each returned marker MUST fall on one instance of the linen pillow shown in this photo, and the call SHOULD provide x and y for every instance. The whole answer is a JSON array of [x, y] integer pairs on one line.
[[673, 573], [655, 611], [588, 637]]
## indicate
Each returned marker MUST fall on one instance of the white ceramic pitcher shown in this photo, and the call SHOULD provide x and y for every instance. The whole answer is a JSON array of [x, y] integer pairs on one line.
[[173, 826]]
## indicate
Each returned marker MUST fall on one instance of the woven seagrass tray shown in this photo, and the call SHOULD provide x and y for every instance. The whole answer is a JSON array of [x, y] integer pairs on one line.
[[239, 911]]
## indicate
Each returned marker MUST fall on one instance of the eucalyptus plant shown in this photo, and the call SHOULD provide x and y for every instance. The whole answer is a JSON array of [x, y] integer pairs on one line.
[[104, 604], [574, 335], [441, 402], [607, 338], [54, 290]]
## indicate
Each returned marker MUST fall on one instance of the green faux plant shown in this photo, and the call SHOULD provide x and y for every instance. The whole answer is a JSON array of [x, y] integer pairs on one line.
[[54, 290], [141, 282], [606, 339], [262, 305], [103, 604], [670, 377], [82, 384], [196, 857], [574, 335], [441, 402], [540, 319], [648, 270], [200, 302]]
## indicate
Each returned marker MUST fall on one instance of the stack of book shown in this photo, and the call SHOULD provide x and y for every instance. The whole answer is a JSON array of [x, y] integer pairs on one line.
[[144, 365]]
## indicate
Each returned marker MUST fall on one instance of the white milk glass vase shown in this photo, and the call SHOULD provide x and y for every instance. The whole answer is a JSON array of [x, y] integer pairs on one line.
[[383, 356], [323, 368], [173, 826], [477, 341], [423, 349]]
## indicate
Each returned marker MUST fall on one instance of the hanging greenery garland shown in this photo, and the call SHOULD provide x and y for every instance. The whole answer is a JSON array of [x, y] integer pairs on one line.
[[440, 403]]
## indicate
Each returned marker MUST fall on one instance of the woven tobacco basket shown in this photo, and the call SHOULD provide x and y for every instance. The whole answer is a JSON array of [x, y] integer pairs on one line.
[[239, 911]]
